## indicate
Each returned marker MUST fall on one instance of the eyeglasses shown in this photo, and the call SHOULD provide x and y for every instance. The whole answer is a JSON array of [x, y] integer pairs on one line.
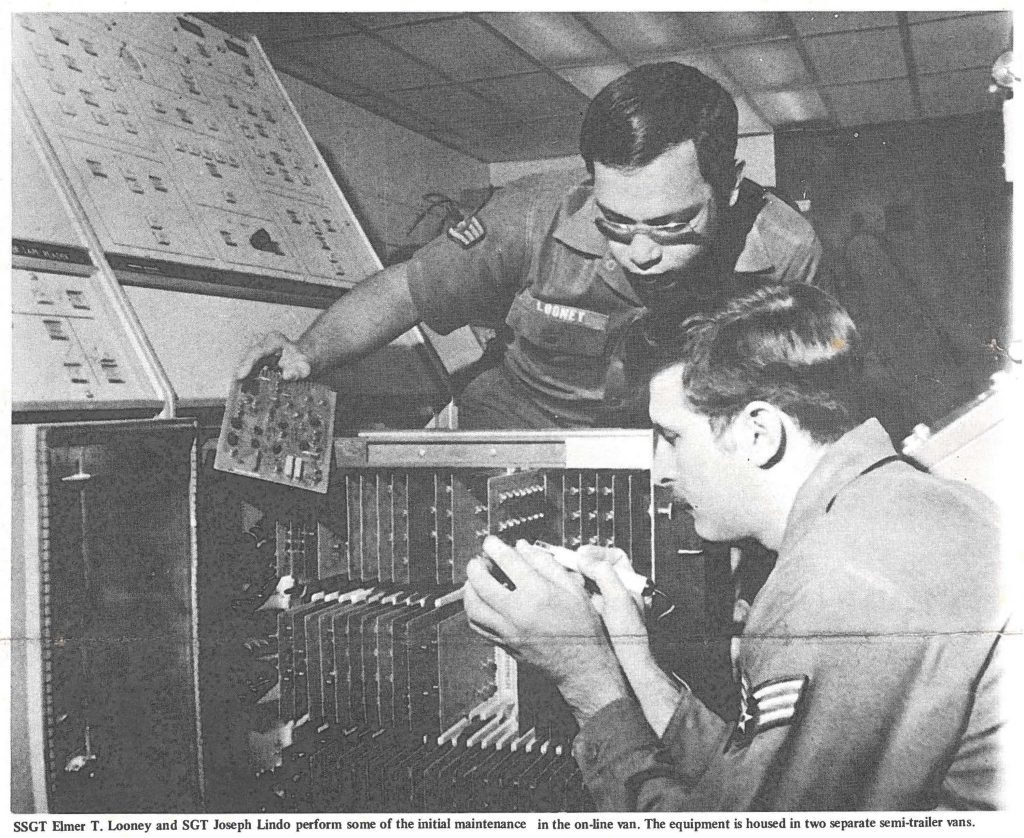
[[663, 234]]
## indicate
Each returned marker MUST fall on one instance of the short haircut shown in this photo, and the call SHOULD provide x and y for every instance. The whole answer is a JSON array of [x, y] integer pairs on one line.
[[655, 107], [792, 346]]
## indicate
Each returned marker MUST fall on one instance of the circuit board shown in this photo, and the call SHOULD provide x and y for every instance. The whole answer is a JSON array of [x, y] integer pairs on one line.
[[278, 430]]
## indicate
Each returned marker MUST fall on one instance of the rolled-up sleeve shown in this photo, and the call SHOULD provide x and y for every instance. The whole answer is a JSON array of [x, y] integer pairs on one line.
[[453, 285]]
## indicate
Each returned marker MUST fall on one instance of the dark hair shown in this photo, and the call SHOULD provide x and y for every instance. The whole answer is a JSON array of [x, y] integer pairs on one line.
[[792, 346], [655, 107]]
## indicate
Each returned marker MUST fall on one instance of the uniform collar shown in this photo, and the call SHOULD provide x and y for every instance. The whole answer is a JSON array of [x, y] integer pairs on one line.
[[754, 257], [577, 229], [578, 232], [844, 462]]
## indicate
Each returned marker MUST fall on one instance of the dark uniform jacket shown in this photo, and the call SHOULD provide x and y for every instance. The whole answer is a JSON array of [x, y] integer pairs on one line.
[[869, 665], [545, 270]]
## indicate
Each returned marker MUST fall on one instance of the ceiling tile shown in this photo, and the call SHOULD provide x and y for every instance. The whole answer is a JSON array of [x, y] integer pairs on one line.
[[448, 106], [533, 94], [765, 66], [706, 63], [470, 51], [642, 34], [313, 72], [273, 27], [390, 109], [554, 38], [380, 20], [872, 102], [750, 121], [816, 23], [960, 43], [361, 59], [921, 17], [717, 28], [964, 91], [857, 56], [590, 80], [790, 107]]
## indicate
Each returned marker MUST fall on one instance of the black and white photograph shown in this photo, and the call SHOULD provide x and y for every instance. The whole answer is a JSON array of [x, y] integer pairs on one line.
[[473, 419]]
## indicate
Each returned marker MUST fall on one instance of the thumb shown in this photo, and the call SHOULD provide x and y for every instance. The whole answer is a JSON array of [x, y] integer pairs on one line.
[[622, 615]]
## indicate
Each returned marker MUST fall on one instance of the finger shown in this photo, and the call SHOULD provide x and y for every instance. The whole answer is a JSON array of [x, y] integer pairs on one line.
[[514, 565], [547, 566], [608, 581], [262, 346], [611, 555], [483, 618], [485, 586], [294, 364]]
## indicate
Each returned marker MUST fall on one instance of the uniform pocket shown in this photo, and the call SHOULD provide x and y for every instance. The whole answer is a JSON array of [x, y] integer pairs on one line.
[[559, 327]]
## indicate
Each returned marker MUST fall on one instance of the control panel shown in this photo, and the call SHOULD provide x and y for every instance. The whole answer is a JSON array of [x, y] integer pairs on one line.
[[69, 352], [183, 148]]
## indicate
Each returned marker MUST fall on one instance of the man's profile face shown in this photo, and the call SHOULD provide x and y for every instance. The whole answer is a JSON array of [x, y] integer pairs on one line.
[[670, 194], [699, 466]]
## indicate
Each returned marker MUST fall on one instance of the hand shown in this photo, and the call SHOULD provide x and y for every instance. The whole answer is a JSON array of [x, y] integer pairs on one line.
[[621, 611], [547, 621], [294, 363]]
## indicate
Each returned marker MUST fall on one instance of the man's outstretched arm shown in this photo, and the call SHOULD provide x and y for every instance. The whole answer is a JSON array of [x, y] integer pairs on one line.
[[370, 316]]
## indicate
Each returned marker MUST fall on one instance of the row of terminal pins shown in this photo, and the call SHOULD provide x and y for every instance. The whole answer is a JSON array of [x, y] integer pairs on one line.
[[526, 491], [512, 523], [591, 490]]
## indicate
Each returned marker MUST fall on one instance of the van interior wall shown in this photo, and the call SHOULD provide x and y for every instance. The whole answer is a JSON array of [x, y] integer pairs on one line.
[[916, 222]]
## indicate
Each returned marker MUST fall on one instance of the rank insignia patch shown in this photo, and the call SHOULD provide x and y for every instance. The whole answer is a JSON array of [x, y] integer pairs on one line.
[[769, 704], [467, 232]]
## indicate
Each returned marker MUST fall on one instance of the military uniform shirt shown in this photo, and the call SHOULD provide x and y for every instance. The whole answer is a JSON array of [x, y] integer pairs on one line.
[[543, 268], [869, 664]]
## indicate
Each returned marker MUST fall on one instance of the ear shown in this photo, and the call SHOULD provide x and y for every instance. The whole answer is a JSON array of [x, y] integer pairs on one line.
[[759, 433], [738, 168]]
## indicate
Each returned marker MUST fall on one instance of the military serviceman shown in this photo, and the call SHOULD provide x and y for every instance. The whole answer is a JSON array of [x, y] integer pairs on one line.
[[663, 228], [870, 664]]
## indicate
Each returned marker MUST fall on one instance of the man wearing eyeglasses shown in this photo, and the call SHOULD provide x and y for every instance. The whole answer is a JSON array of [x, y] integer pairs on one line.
[[658, 233]]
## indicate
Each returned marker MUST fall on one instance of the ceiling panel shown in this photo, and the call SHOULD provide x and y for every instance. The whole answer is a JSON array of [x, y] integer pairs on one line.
[[791, 107], [639, 34], [314, 72], [872, 102], [448, 106], [390, 109], [271, 27], [380, 20], [532, 94], [590, 80], [857, 56], [362, 60], [739, 27], [960, 43], [817, 23], [709, 66], [470, 50], [964, 91], [920, 17], [751, 121], [487, 83], [556, 39], [765, 66]]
